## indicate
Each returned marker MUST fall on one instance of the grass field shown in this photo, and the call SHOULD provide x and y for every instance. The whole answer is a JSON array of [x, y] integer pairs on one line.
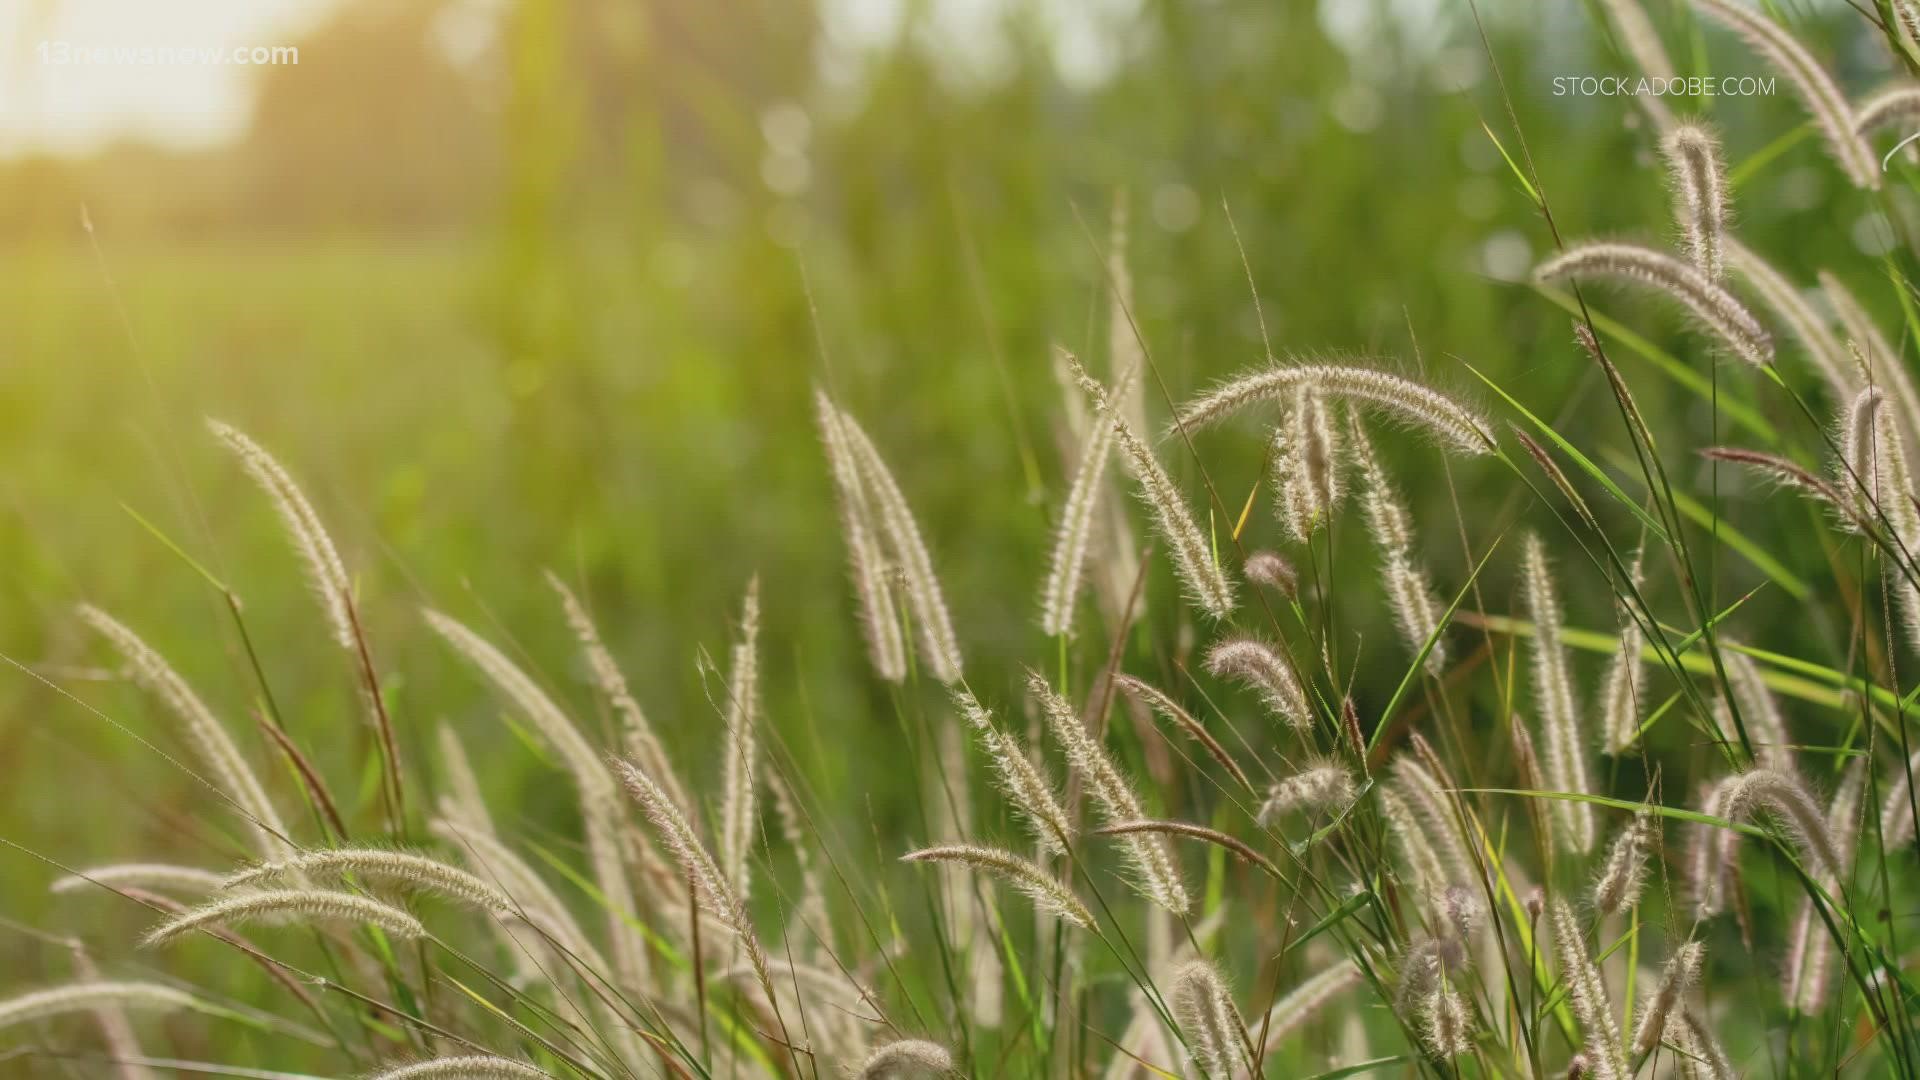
[[614, 380]]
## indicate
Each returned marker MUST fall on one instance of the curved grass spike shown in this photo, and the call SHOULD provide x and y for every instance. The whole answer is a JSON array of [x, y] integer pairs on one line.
[[640, 741], [905, 1060], [164, 877], [325, 571], [91, 994], [1637, 36], [1897, 808], [1788, 303], [1874, 353], [739, 799], [1416, 610], [1823, 100], [1676, 981], [1624, 685], [1306, 1001], [1154, 697], [886, 650], [464, 1067], [1049, 895], [712, 887], [405, 868], [1066, 569], [1717, 309], [1564, 736], [599, 796], [1412, 404], [1262, 667], [1587, 993], [1766, 726], [1151, 857], [1624, 873], [1209, 1022], [1810, 951], [1306, 467], [1700, 194], [303, 906], [1023, 782], [1322, 787], [1897, 106], [925, 599], [1193, 556], [232, 776]]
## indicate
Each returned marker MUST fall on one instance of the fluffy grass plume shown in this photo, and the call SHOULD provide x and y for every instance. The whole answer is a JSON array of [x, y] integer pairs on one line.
[[1416, 610], [1269, 569], [1894, 107], [1306, 1001], [1681, 974], [1759, 711], [162, 876], [464, 1067], [1152, 859], [1700, 194], [866, 566], [1207, 586], [905, 1060], [925, 599], [1624, 873], [1322, 788], [1818, 94], [1049, 895], [1587, 994], [1786, 798], [739, 794], [1412, 404], [1023, 782], [599, 798], [1565, 738], [1789, 304], [637, 735], [290, 906], [1306, 464], [1216, 1038], [1882, 362], [231, 774], [1263, 668], [1622, 687], [1723, 315], [1073, 537], [711, 885], [326, 573], [1157, 699], [86, 996], [402, 868], [1810, 951]]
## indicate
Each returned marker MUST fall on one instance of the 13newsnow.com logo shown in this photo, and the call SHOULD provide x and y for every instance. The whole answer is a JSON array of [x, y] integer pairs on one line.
[[1689, 86]]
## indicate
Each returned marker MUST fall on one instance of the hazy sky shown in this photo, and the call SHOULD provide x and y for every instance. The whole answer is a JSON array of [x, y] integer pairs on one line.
[[73, 74], [76, 105]]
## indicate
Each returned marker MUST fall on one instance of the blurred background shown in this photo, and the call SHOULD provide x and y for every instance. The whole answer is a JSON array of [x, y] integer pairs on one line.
[[525, 284]]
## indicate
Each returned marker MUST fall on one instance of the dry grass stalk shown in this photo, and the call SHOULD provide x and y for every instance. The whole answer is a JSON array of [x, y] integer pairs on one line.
[[89, 995], [1412, 404]]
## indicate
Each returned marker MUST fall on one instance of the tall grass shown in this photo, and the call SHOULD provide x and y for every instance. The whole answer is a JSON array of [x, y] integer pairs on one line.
[[1322, 890]]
